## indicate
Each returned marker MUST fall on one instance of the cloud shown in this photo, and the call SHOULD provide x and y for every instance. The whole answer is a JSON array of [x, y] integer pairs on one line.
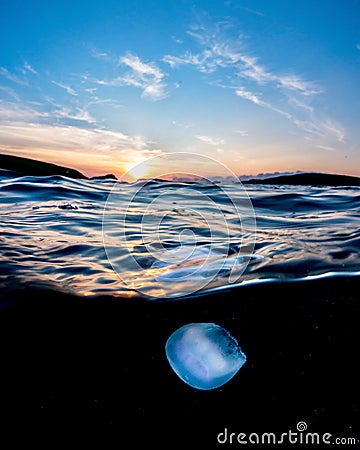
[[185, 125], [203, 61], [287, 94], [28, 68], [321, 128], [295, 83], [334, 129], [254, 98], [68, 89], [251, 69], [12, 77], [10, 112], [72, 138], [207, 61], [254, 11], [254, 71], [50, 111], [146, 76], [211, 141], [95, 53], [11, 92], [300, 105], [358, 46], [80, 115], [49, 137], [177, 40], [242, 133], [218, 52], [327, 148], [249, 96], [175, 61], [104, 101]]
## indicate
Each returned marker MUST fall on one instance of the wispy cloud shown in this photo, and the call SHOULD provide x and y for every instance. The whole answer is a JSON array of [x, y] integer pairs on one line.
[[327, 148], [76, 112], [29, 68], [31, 114], [358, 46], [203, 61], [96, 53], [10, 92], [49, 137], [241, 92], [253, 70], [254, 11], [12, 77], [146, 76], [300, 104], [80, 115], [335, 129], [104, 101], [219, 52], [295, 83], [287, 94], [67, 88], [242, 133], [185, 125], [320, 128], [18, 112], [177, 40], [213, 57], [37, 134], [209, 140]]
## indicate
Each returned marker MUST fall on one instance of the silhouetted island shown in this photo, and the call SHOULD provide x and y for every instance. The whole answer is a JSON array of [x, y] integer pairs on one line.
[[33, 167], [309, 179], [108, 176], [27, 166]]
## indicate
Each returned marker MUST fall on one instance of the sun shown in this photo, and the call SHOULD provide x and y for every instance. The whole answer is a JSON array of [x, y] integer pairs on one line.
[[136, 169]]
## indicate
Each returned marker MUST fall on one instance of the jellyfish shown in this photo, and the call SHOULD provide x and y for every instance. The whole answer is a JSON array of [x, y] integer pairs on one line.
[[204, 355]]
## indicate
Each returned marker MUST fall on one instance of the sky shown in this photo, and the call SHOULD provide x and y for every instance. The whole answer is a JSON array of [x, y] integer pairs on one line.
[[260, 86]]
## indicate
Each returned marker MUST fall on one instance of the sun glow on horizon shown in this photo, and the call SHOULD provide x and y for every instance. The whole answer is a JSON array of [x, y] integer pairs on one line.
[[136, 169]]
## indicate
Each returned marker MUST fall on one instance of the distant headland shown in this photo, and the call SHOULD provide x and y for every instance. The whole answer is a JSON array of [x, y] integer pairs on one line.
[[26, 166], [308, 179], [32, 167]]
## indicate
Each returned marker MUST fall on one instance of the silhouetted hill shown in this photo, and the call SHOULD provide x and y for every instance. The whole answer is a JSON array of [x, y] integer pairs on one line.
[[27, 166], [108, 176], [309, 179]]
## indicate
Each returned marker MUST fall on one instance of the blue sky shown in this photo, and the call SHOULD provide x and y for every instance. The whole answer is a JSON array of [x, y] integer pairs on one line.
[[260, 85]]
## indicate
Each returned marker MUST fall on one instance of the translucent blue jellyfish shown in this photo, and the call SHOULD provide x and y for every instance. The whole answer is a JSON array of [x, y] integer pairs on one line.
[[204, 355]]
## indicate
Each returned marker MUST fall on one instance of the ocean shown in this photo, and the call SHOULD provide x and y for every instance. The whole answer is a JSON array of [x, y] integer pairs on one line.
[[55, 233], [96, 275]]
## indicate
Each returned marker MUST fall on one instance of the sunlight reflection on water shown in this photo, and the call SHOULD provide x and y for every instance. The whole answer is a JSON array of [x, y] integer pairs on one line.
[[303, 233]]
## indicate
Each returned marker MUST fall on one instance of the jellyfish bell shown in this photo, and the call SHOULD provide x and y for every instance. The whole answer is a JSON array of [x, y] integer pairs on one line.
[[204, 355]]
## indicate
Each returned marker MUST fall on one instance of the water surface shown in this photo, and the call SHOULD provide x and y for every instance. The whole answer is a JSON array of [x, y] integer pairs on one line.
[[52, 235]]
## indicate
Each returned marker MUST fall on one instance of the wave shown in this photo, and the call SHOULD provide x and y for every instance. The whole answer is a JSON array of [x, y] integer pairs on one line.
[[79, 236]]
